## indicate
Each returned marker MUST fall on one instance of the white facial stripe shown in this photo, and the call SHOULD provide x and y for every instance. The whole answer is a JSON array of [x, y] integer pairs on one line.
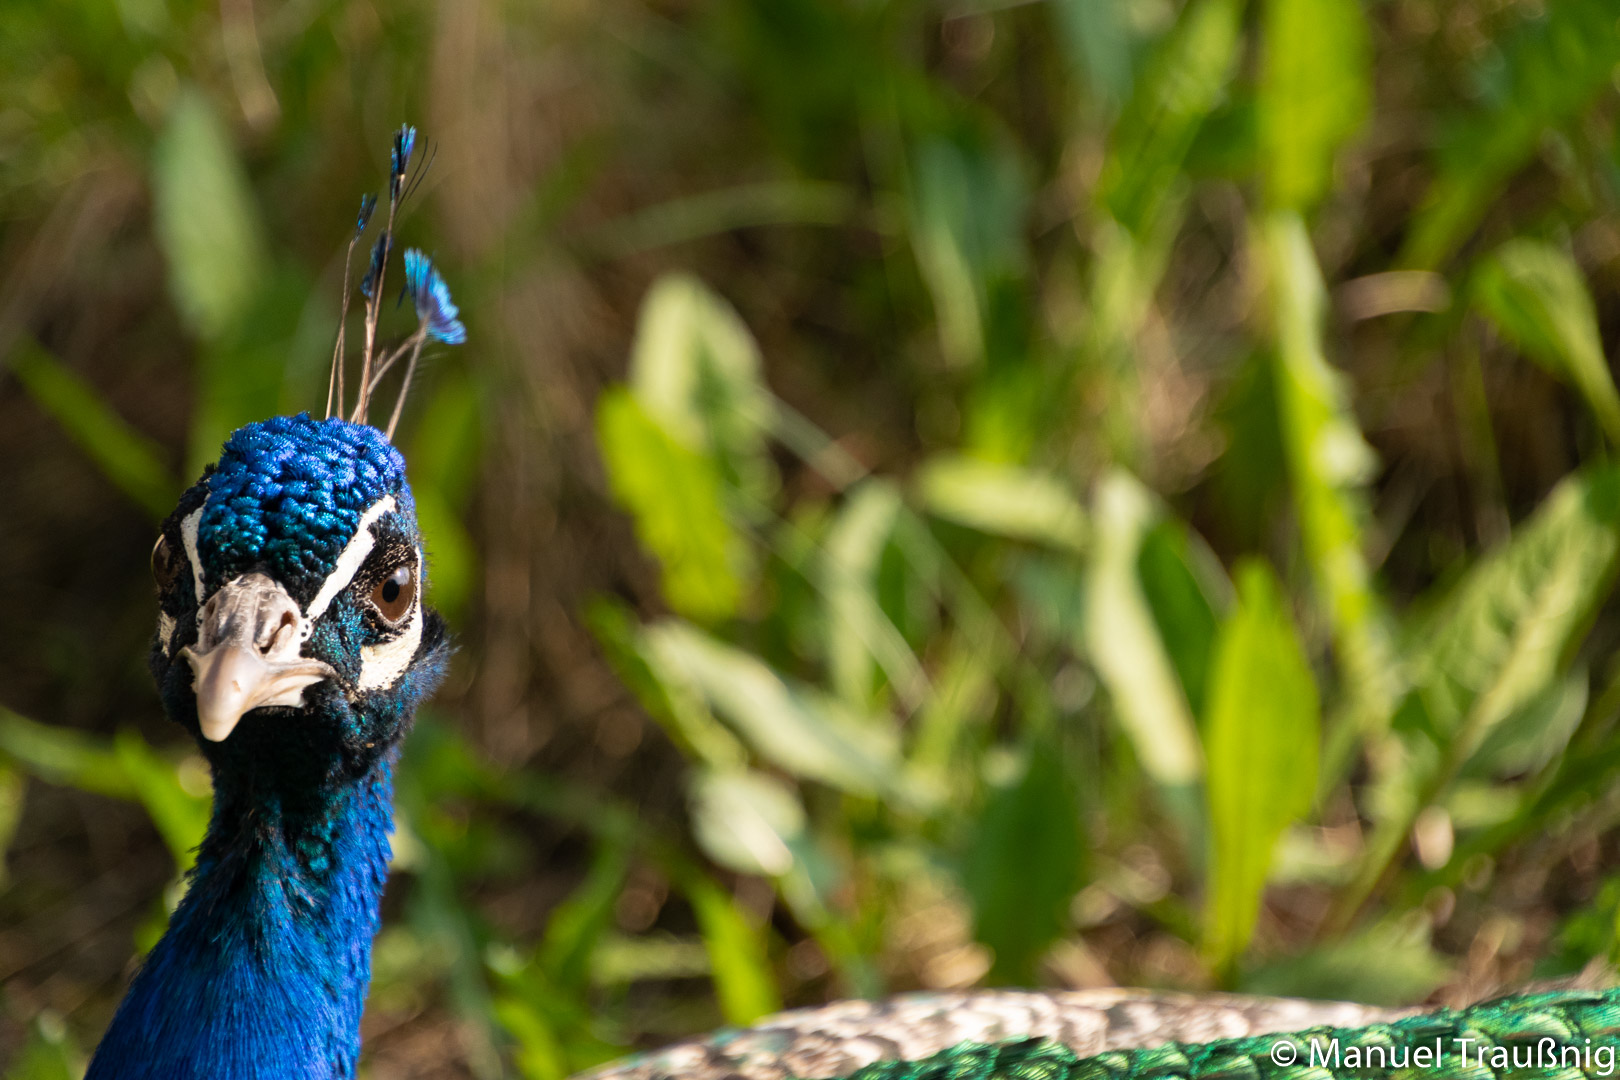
[[166, 632], [382, 665], [188, 537], [348, 563]]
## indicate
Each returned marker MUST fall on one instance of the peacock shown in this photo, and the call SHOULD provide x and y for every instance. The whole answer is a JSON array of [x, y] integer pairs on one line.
[[294, 646]]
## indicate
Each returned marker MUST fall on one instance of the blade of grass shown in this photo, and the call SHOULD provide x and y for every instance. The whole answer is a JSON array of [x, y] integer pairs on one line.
[[1313, 94], [859, 634], [739, 961], [1123, 642], [1329, 465], [130, 461]]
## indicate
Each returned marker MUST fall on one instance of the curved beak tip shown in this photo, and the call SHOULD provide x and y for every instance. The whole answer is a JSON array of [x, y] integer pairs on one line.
[[231, 681], [228, 680]]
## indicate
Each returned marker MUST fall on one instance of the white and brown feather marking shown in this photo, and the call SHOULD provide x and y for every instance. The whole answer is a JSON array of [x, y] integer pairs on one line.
[[166, 626], [350, 560], [382, 664], [188, 539]]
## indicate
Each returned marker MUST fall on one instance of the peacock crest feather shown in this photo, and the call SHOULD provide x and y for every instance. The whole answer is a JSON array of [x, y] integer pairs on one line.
[[436, 315]]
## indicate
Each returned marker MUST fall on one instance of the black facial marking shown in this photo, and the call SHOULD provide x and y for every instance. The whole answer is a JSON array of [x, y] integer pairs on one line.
[[171, 564]]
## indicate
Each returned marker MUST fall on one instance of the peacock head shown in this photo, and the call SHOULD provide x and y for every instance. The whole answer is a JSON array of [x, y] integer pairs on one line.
[[292, 639], [291, 627]]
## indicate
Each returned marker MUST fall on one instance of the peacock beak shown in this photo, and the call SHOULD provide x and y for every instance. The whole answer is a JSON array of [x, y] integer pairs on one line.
[[246, 656]]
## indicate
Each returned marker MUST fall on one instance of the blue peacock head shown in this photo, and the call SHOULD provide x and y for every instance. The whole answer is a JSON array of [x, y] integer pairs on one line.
[[290, 581], [291, 626]]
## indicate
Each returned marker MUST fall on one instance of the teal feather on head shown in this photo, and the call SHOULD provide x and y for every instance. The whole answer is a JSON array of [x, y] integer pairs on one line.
[[288, 491]]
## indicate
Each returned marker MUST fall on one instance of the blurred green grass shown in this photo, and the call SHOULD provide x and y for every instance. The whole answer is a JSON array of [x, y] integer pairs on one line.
[[937, 492]]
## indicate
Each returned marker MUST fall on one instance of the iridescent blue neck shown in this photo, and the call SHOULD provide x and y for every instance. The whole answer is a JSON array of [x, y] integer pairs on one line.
[[264, 969]]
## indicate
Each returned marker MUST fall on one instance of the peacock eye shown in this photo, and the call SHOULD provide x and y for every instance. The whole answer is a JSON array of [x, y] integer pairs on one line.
[[392, 595], [166, 564]]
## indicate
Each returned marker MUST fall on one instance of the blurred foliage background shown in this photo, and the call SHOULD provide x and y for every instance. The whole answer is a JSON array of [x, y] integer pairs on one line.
[[938, 492]]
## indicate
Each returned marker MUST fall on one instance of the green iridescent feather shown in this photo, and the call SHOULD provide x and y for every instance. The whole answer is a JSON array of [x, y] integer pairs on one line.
[[1560, 1035]]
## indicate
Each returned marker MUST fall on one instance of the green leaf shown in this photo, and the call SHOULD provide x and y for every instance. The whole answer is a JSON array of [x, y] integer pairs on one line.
[[794, 727], [1389, 964], [49, 1053], [1508, 629], [576, 925], [1590, 932], [1023, 865], [207, 220], [127, 769], [1187, 591], [857, 629], [274, 359], [672, 701], [13, 793], [1262, 739], [1003, 500], [555, 1028], [1537, 731], [746, 821], [674, 494], [1251, 484], [181, 816], [737, 956], [1314, 93], [1124, 642], [1099, 39], [1536, 296], [132, 462], [622, 960], [59, 755], [1051, 592], [1542, 75], [695, 369], [967, 226], [1329, 466], [1495, 643], [538, 1053], [1141, 198], [444, 457], [1183, 83]]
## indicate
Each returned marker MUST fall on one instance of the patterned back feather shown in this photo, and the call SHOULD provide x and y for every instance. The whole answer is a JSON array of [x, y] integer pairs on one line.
[[1132, 1035], [838, 1040]]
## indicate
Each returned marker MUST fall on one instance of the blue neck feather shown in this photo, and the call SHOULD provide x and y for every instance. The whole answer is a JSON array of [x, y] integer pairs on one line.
[[264, 969]]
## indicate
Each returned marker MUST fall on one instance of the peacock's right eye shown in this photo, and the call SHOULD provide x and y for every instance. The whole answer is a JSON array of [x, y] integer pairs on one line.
[[392, 595], [166, 564]]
